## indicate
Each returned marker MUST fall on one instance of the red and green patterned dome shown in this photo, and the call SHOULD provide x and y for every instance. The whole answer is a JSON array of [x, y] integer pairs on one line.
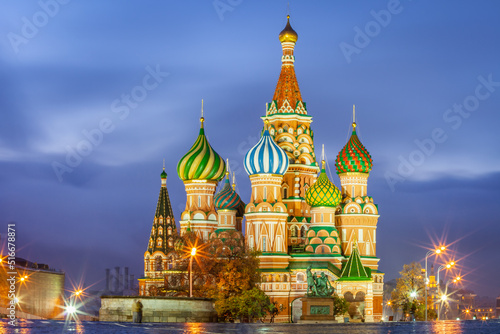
[[354, 158], [227, 198], [323, 192]]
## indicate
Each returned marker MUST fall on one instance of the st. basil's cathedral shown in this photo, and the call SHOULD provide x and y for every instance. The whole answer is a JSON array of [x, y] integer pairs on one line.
[[296, 216]]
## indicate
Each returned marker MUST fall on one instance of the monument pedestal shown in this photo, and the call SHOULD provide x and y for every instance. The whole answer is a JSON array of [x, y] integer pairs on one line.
[[317, 310]]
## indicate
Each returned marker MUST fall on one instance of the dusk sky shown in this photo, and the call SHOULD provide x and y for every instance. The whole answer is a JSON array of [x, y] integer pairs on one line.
[[424, 76]]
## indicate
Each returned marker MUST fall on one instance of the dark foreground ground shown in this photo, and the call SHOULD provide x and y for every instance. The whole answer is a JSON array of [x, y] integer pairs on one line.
[[442, 327]]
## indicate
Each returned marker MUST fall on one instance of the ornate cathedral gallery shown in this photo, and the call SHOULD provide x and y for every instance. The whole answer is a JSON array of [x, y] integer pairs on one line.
[[296, 216]]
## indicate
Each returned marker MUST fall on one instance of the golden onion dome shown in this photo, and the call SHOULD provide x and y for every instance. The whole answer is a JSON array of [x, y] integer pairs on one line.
[[288, 34]]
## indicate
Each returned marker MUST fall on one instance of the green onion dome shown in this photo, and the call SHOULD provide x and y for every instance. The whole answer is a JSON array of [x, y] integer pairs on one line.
[[163, 174], [227, 198], [201, 162], [323, 192], [354, 158]]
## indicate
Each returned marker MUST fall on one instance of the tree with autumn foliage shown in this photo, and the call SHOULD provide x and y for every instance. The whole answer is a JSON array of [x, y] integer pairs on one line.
[[223, 269], [236, 272], [408, 296]]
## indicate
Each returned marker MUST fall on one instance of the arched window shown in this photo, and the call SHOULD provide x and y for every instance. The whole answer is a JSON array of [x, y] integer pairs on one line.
[[285, 193], [158, 263], [348, 296], [360, 296], [294, 231], [303, 231]]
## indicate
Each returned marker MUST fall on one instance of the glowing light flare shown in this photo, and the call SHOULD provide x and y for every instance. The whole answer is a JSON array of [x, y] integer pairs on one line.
[[23, 279], [444, 298], [450, 264], [413, 294], [77, 289], [71, 309], [193, 251]]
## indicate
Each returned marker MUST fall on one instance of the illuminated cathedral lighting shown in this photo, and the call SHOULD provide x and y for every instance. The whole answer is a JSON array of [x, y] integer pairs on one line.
[[296, 216]]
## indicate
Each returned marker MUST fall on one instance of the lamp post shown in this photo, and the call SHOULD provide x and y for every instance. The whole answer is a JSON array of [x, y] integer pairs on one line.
[[447, 266], [438, 250], [193, 253]]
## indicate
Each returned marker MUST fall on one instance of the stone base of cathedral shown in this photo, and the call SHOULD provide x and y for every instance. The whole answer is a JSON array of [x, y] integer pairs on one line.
[[317, 310]]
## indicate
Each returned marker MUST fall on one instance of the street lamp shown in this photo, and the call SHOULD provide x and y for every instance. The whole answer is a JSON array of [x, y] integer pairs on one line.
[[193, 253], [78, 293], [447, 266], [437, 251]]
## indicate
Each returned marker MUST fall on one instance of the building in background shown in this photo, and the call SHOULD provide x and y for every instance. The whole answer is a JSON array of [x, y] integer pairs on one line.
[[39, 290], [497, 313], [465, 304]]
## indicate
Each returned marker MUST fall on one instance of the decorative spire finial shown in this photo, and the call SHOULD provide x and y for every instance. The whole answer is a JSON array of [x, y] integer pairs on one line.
[[202, 119], [354, 117], [227, 169], [266, 124], [234, 181], [323, 156], [163, 163]]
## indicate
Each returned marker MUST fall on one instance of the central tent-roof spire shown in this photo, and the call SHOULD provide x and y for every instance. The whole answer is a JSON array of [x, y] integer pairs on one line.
[[287, 96]]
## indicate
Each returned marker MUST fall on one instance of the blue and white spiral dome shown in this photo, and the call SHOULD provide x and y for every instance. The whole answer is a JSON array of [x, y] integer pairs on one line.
[[266, 157]]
